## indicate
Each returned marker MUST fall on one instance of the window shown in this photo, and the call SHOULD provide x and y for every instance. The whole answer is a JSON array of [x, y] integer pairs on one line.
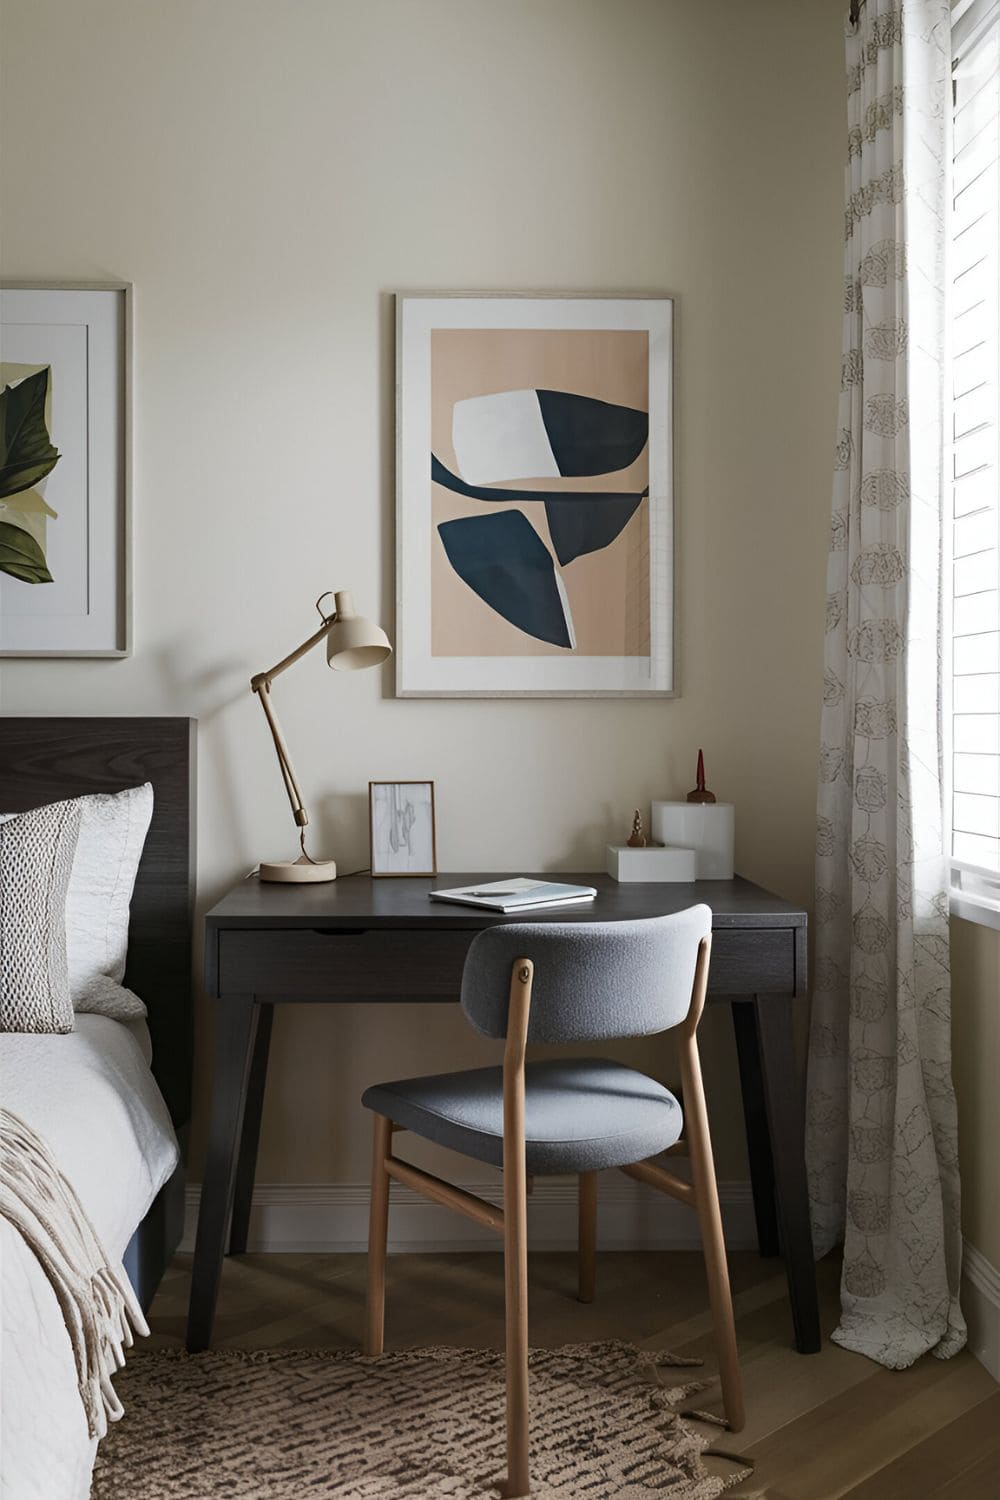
[[975, 294]]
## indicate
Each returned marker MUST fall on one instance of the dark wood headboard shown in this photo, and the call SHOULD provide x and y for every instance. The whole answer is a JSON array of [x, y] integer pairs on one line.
[[45, 760]]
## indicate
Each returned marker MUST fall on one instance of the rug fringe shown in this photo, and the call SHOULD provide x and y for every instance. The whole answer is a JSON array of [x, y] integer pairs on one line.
[[675, 1361], [745, 1464], [712, 1417]]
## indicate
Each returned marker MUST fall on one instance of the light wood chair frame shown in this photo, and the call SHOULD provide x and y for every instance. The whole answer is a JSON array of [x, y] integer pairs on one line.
[[701, 1194]]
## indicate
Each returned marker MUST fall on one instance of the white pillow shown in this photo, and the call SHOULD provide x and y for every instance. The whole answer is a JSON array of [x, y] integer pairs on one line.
[[113, 828]]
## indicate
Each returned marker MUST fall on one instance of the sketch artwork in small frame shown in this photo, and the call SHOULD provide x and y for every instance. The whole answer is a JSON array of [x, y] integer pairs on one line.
[[401, 819]]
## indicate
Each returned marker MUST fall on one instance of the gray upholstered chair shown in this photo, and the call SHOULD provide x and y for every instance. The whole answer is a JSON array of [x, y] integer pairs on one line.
[[564, 982]]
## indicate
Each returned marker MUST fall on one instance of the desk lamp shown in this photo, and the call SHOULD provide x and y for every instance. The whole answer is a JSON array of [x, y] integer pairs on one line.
[[352, 642]]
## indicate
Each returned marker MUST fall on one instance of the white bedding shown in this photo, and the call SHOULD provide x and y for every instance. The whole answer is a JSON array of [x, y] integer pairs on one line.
[[91, 1096]]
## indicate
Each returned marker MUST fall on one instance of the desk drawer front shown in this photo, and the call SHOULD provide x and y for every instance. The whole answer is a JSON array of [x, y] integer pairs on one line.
[[747, 961], [405, 965], [342, 966]]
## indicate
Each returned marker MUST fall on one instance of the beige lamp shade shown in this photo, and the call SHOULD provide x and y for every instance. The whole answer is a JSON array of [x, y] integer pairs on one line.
[[352, 641]]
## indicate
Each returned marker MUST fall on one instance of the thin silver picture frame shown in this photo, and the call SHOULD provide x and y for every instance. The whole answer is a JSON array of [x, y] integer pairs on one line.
[[383, 874]]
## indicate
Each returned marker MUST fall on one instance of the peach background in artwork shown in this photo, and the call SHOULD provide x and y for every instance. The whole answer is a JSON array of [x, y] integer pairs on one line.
[[608, 590]]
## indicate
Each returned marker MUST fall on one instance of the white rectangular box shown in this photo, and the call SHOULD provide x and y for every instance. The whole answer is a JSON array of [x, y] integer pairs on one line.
[[625, 864], [707, 827]]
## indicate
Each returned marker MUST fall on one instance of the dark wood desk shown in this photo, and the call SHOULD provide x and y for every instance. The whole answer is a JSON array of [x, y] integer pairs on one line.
[[383, 940]]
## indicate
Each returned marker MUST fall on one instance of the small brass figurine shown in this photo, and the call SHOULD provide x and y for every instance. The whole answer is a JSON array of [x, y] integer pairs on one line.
[[700, 794], [637, 839]]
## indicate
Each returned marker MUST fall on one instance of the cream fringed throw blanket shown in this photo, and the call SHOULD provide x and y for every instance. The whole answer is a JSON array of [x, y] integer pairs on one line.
[[96, 1300]]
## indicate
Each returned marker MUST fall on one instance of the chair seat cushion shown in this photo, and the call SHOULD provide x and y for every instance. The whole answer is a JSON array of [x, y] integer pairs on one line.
[[581, 1114]]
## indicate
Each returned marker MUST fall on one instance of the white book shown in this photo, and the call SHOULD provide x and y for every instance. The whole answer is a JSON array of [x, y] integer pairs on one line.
[[519, 894]]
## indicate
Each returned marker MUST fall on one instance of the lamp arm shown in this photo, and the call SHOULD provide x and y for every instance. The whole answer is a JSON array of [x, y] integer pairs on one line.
[[299, 813], [265, 678], [261, 685]]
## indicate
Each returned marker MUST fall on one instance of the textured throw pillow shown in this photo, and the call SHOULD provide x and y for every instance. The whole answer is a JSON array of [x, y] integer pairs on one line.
[[113, 828], [36, 861]]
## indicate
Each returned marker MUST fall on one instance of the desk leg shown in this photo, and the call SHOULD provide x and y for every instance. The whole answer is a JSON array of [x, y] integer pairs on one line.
[[246, 1169], [237, 1019], [785, 1105], [758, 1134]]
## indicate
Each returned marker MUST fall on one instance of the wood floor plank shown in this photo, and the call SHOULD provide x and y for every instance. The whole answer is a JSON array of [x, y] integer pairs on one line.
[[825, 1453], [961, 1461]]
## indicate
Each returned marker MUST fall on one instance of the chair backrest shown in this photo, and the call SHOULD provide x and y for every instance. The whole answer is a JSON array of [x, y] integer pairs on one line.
[[593, 980]]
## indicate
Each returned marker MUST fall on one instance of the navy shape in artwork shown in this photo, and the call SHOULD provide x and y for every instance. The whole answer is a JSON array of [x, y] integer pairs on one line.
[[589, 436], [504, 560], [444, 476], [576, 529]]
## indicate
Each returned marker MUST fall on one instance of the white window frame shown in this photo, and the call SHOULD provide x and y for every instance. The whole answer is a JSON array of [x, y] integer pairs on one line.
[[975, 890], [975, 894]]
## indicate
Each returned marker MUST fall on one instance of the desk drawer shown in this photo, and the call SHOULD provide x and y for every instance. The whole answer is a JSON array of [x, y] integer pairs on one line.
[[748, 961], [412, 965], [342, 965]]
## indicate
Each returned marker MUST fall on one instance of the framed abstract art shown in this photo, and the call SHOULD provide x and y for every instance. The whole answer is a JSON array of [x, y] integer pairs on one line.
[[64, 469], [534, 496]]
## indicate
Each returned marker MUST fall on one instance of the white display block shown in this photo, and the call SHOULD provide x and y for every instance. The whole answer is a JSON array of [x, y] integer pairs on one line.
[[708, 827], [659, 865]]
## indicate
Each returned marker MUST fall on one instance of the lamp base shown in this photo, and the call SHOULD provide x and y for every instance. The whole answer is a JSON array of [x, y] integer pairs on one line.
[[299, 871]]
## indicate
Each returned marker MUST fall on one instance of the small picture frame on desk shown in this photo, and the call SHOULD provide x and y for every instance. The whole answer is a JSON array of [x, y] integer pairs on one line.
[[401, 823]]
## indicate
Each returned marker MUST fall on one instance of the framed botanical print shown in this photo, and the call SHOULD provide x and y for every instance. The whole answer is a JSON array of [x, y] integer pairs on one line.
[[64, 470], [534, 496]]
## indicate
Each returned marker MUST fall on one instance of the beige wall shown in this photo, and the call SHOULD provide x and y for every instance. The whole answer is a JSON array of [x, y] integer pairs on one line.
[[976, 1051], [267, 172]]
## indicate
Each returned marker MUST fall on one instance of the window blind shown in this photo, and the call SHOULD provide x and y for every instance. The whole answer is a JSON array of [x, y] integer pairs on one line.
[[975, 336]]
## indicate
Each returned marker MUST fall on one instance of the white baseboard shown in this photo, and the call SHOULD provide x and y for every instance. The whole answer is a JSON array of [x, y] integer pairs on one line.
[[981, 1305], [333, 1217]]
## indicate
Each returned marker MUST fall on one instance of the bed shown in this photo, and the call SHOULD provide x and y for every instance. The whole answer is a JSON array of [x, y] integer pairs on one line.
[[112, 1099]]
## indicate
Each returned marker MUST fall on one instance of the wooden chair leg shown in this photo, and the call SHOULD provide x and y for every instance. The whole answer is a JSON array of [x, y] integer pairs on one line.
[[378, 1233], [515, 1233], [713, 1243], [587, 1238], [516, 1300]]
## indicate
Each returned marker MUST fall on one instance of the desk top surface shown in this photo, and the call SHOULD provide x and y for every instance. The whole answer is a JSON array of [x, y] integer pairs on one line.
[[359, 901]]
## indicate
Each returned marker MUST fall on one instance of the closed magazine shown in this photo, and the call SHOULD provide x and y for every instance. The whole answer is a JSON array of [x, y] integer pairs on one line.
[[520, 894]]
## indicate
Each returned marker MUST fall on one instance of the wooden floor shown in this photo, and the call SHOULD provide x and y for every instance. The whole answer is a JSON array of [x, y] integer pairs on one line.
[[819, 1426]]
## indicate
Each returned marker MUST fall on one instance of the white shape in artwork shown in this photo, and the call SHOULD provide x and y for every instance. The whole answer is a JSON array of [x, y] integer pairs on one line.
[[402, 828], [502, 438], [564, 598]]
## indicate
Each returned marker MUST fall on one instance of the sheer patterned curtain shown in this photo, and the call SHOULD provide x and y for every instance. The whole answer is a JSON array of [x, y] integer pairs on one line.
[[881, 1129]]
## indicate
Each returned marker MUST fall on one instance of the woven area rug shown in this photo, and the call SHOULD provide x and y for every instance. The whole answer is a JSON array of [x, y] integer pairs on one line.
[[421, 1425]]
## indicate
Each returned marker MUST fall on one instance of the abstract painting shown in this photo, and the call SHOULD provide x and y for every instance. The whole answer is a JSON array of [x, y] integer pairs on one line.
[[63, 470], [534, 496], [401, 818]]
